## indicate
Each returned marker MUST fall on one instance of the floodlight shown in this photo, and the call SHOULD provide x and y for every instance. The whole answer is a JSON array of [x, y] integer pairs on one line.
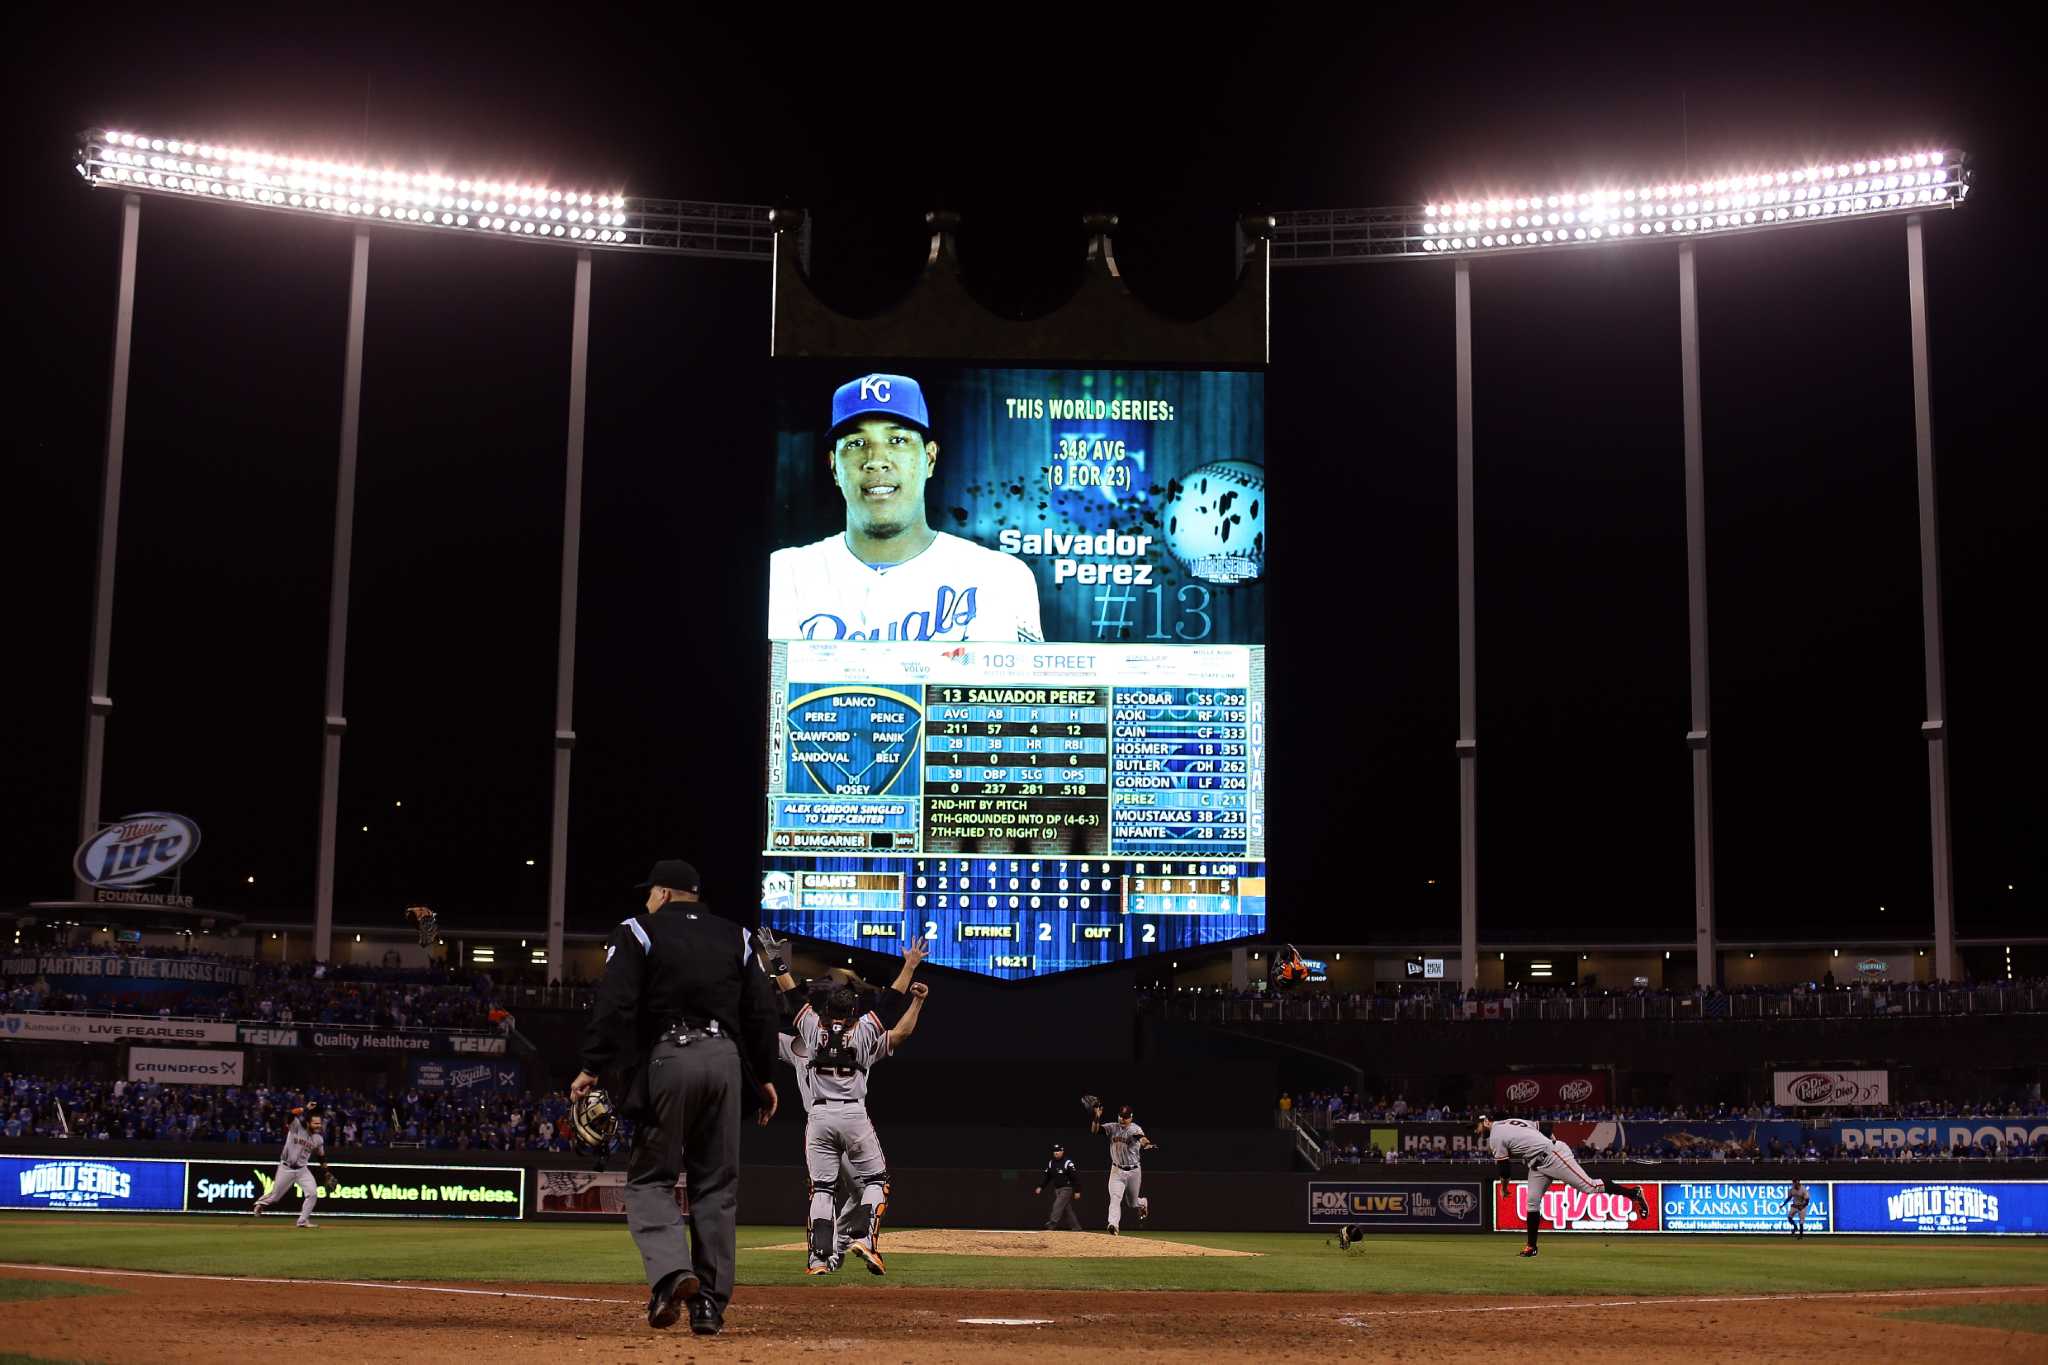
[[1909, 182], [259, 178]]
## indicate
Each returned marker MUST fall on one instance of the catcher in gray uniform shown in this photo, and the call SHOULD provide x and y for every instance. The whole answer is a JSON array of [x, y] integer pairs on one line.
[[841, 1049]]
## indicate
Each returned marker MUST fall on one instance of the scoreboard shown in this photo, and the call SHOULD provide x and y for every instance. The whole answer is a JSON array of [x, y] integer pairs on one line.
[[1026, 808]]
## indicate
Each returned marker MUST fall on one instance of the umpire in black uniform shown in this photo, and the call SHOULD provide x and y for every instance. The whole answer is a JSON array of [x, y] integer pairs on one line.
[[683, 1035]]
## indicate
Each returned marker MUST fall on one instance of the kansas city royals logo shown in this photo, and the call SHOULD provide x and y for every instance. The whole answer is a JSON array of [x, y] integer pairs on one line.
[[875, 387]]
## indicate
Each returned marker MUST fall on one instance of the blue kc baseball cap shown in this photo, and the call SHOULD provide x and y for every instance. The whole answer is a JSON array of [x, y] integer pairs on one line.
[[891, 395]]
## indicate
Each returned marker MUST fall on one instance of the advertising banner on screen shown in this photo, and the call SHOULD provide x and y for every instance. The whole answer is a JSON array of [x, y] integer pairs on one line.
[[92, 1028], [270, 1035], [1739, 1206], [1830, 1089], [1981, 1134], [368, 1190], [92, 1185], [1551, 1090], [1334, 1203], [185, 1065], [2016, 1206], [591, 1194], [1569, 1210]]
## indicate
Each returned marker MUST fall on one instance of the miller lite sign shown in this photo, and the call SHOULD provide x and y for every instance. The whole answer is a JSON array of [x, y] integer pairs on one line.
[[136, 849]]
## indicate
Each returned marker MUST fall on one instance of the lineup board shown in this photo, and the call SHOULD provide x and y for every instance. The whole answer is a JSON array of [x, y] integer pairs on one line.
[[1027, 808]]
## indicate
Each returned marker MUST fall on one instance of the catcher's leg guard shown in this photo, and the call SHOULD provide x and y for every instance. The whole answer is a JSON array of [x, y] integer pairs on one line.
[[823, 1240], [875, 1194]]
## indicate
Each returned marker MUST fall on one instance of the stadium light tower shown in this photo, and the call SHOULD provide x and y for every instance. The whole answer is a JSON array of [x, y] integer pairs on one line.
[[522, 209], [1756, 199]]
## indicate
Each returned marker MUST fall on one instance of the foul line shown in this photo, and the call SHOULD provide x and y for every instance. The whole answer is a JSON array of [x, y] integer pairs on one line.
[[1687, 1302], [343, 1284]]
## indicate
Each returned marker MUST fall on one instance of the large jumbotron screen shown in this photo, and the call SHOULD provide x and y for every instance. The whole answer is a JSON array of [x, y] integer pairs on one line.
[[1017, 683]]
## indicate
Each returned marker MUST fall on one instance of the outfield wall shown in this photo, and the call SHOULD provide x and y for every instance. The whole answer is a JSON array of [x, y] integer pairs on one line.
[[2001, 1197]]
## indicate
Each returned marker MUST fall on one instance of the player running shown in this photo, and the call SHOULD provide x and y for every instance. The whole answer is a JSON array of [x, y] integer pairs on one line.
[[1127, 1144], [1549, 1162], [840, 1051], [889, 575], [1796, 1200], [302, 1140]]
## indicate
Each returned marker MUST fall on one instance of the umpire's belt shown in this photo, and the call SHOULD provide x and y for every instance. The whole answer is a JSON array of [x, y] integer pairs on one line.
[[684, 1031]]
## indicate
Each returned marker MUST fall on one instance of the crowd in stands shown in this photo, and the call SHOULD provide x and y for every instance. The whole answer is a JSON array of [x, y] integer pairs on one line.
[[382, 997], [46, 1106]]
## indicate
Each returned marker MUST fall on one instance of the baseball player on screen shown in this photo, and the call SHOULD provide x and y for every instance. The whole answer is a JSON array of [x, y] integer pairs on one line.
[[1549, 1162], [1127, 1144], [302, 1140], [889, 575]]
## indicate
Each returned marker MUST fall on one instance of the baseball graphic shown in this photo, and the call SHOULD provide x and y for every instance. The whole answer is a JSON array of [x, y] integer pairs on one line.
[[1216, 521]]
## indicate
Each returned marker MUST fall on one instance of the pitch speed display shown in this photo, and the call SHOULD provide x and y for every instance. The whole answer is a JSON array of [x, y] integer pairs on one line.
[[1017, 679]]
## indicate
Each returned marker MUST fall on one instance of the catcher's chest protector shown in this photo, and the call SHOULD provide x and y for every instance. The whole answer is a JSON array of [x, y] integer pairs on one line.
[[836, 1054]]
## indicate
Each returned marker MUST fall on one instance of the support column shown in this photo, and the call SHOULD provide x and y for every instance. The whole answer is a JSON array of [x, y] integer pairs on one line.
[[565, 637], [1706, 941], [97, 702], [1935, 728], [1468, 704], [337, 602]]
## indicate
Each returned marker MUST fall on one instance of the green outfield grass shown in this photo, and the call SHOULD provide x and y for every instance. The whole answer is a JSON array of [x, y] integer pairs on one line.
[[372, 1249]]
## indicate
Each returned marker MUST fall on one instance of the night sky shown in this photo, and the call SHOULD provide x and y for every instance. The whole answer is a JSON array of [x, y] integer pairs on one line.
[[220, 625]]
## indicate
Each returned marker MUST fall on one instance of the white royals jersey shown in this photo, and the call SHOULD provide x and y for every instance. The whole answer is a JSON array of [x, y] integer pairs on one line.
[[1516, 1138], [954, 590]]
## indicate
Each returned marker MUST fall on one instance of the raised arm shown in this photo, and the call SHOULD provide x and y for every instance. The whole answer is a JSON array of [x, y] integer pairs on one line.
[[907, 1025], [912, 956]]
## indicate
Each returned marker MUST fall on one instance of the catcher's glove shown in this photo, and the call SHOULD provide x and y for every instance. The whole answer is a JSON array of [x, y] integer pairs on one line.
[[1090, 1103]]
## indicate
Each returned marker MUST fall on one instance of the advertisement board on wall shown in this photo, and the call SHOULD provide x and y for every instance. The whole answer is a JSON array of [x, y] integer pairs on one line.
[[92, 1184], [368, 1190], [1739, 1206], [1980, 1133], [592, 1194], [185, 1065], [1550, 1090], [1394, 1204], [1830, 1089], [1941, 1206], [1569, 1210], [95, 1028], [428, 1073]]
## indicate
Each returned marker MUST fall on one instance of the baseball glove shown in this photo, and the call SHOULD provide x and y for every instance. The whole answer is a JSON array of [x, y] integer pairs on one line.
[[1090, 1103], [330, 1185]]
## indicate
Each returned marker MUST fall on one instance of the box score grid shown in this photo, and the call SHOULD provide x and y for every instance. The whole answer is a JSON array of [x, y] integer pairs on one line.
[[1017, 915]]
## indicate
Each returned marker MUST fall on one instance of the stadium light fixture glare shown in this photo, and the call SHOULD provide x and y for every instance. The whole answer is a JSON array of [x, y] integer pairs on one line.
[[1744, 201], [256, 177]]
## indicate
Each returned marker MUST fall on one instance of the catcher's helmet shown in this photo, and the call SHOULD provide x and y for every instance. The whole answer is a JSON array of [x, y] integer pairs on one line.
[[594, 1120]]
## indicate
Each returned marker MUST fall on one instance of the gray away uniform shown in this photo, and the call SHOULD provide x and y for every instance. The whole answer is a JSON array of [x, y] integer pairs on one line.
[[300, 1146], [1796, 1201], [1125, 1179], [1550, 1163], [852, 1216], [839, 1131]]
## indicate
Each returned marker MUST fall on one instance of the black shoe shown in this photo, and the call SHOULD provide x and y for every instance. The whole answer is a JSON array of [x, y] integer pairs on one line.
[[665, 1304], [705, 1319]]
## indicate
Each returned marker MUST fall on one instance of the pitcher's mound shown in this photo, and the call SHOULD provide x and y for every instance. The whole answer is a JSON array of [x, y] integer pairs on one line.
[[1043, 1245]]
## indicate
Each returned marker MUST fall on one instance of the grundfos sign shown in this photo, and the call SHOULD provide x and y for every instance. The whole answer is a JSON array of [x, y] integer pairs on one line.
[[136, 849]]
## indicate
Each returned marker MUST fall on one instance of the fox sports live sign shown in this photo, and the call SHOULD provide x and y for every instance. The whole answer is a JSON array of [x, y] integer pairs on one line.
[[136, 849]]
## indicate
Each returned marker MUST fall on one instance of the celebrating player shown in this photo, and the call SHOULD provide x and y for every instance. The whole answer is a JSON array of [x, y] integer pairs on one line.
[[838, 1130], [1796, 1200], [301, 1140], [1127, 1143], [889, 575], [1549, 1161], [850, 1217]]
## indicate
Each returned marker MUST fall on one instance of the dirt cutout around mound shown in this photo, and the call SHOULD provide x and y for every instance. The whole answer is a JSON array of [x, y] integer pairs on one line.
[[1050, 1246]]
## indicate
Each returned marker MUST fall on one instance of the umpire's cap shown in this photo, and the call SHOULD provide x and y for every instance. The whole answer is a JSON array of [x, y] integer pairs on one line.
[[673, 873]]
